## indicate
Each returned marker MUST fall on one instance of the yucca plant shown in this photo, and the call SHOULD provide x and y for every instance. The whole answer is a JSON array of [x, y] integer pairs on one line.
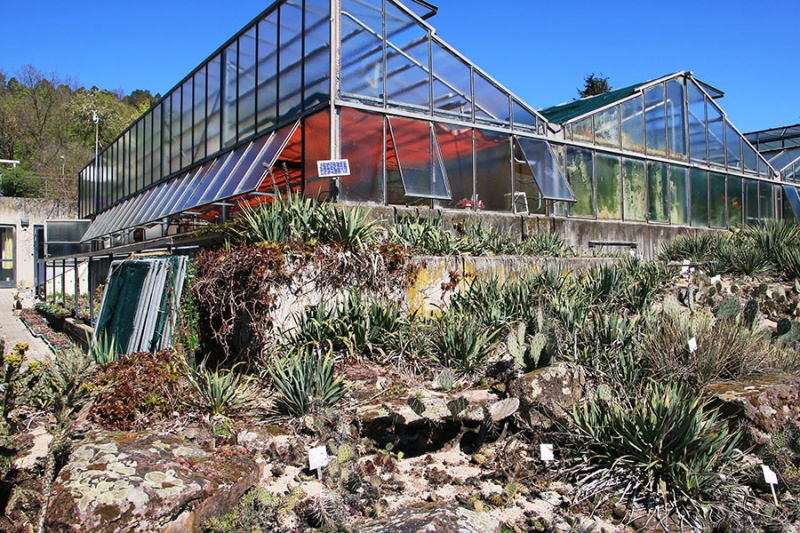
[[546, 244], [772, 237], [305, 381], [103, 349], [461, 343], [219, 392], [352, 227], [694, 247], [665, 446], [789, 263]]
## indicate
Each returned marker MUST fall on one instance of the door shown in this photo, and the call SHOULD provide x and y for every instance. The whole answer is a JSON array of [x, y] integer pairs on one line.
[[7, 257]]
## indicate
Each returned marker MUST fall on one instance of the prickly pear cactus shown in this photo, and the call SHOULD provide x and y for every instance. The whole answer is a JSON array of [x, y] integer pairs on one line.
[[604, 392], [515, 343], [784, 326], [538, 342], [729, 308], [344, 453], [416, 405], [750, 314], [672, 308], [456, 406], [503, 409], [447, 379]]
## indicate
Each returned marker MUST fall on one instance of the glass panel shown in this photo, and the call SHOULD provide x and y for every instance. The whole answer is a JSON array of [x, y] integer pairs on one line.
[[546, 171], [655, 121], [290, 79], [247, 83], [407, 63], [606, 129], [609, 192], [200, 114], [718, 200], [657, 192], [230, 79], [452, 95], [139, 143], [716, 132], [632, 125], [493, 170], [268, 71], [491, 103], [697, 123], [362, 50], [678, 196], [791, 203], [634, 184], [527, 197], [156, 152], [766, 207], [7, 257], [735, 203], [417, 156], [362, 143], [750, 159], [166, 138], [751, 201], [151, 149], [211, 180], [213, 144], [455, 143], [278, 153], [582, 130], [580, 169], [317, 53], [675, 120], [699, 198], [175, 133], [523, 119], [187, 124], [317, 148], [734, 147]]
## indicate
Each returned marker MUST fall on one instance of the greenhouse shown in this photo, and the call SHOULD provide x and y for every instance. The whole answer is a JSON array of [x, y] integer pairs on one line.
[[781, 147], [407, 120]]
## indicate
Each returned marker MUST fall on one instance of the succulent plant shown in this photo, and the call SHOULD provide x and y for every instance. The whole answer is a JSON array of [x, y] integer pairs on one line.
[[344, 453], [751, 312], [604, 392], [416, 405], [447, 379], [784, 326], [729, 308], [457, 406]]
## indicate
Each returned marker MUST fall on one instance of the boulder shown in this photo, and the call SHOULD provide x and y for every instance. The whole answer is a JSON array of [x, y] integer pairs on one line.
[[765, 401], [554, 388], [136, 482], [447, 519]]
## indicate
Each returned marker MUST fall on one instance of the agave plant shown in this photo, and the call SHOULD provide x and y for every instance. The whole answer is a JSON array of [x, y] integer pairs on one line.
[[219, 392], [664, 445], [305, 381], [351, 227], [459, 342]]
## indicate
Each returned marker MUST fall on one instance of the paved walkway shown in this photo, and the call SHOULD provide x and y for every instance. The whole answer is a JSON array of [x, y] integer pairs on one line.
[[14, 330]]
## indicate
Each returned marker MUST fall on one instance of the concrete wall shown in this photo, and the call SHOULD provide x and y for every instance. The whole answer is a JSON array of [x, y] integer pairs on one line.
[[36, 210], [576, 232]]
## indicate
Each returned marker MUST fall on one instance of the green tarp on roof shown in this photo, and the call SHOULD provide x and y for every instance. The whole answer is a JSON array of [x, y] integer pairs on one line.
[[565, 112]]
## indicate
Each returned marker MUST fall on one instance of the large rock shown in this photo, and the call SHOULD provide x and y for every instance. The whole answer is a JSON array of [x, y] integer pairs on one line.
[[125, 482], [766, 401], [423, 519], [554, 388]]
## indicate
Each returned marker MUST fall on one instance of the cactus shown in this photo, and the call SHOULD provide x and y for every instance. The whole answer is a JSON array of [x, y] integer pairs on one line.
[[344, 453], [793, 335], [456, 406], [503, 409], [416, 405], [515, 342], [796, 286], [672, 308], [604, 392], [538, 343], [447, 379], [690, 299], [780, 439], [784, 326], [751, 311], [729, 308]]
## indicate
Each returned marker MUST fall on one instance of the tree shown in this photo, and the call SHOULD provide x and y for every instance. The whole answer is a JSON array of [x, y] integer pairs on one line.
[[594, 85]]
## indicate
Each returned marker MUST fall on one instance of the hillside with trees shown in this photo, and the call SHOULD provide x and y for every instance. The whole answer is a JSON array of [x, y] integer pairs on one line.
[[46, 124]]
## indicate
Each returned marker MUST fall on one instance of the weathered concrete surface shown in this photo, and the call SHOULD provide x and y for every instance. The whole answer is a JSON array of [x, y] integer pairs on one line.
[[448, 519], [766, 401], [129, 482], [556, 388]]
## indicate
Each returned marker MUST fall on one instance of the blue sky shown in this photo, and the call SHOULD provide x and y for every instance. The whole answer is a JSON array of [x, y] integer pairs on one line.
[[540, 50]]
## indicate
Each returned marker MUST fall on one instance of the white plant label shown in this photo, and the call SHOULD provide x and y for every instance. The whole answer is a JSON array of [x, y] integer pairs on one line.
[[685, 267], [546, 451], [692, 345], [770, 477], [318, 458]]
